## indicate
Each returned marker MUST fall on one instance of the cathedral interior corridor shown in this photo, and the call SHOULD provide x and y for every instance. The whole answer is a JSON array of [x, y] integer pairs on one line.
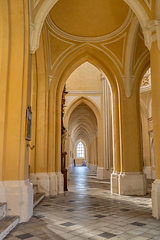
[[89, 211], [79, 119]]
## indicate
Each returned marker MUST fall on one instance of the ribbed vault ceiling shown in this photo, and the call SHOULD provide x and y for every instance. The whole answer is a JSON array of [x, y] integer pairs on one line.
[[82, 124], [89, 18]]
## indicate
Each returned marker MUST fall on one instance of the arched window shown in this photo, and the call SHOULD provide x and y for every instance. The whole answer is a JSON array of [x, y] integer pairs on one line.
[[80, 150]]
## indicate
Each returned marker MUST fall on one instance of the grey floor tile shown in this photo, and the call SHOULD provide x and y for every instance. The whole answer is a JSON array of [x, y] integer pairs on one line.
[[93, 214], [107, 235]]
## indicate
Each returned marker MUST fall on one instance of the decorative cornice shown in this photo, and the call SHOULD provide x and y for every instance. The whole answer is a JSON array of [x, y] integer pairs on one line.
[[84, 92], [103, 38], [152, 33]]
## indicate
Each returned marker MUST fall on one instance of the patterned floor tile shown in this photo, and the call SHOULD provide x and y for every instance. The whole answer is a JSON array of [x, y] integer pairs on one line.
[[94, 214]]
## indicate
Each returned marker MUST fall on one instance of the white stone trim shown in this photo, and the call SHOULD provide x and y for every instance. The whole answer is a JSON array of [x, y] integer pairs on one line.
[[43, 183], [103, 173], [2, 192], [149, 4], [38, 23], [145, 89], [19, 198], [114, 183], [50, 77], [53, 188], [36, 3], [60, 182], [92, 167], [148, 171], [153, 173], [156, 199], [33, 178], [7, 230], [70, 169], [132, 183], [152, 26], [141, 15], [83, 92], [72, 37], [128, 78]]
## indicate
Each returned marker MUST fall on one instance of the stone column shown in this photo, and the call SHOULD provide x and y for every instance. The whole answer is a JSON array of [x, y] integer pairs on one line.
[[104, 172], [116, 142], [15, 188], [32, 155], [155, 79], [131, 180], [41, 168]]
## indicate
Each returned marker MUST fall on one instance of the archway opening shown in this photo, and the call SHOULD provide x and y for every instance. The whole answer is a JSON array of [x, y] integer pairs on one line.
[[88, 119], [147, 126]]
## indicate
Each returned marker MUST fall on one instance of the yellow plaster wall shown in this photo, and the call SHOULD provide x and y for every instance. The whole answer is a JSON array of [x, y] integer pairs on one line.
[[14, 68], [85, 78], [140, 50]]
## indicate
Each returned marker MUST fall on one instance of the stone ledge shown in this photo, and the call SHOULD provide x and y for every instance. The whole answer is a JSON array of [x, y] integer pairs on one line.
[[7, 224]]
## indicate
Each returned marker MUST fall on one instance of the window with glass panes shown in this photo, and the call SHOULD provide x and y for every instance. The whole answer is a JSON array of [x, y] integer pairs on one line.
[[80, 150]]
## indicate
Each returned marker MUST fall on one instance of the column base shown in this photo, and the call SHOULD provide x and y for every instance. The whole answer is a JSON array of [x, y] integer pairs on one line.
[[148, 171], [60, 181], [43, 183], [2, 192], [33, 178], [53, 183], [156, 199], [92, 167], [68, 173], [70, 169], [19, 198], [103, 173], [114, 183], [154, 173], [132, 183]]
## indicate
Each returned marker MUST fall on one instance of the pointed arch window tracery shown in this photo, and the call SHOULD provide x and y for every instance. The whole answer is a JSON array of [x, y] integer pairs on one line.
[[80, 150]]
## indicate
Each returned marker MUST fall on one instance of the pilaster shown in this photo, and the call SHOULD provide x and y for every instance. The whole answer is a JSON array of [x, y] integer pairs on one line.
[[155, 73]]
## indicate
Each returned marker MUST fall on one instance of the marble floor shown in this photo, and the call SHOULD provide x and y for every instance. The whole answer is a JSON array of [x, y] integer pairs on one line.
[[89, 211]]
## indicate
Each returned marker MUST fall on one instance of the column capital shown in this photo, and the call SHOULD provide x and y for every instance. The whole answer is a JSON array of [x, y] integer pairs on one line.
[[103, 77], [152, 33]]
